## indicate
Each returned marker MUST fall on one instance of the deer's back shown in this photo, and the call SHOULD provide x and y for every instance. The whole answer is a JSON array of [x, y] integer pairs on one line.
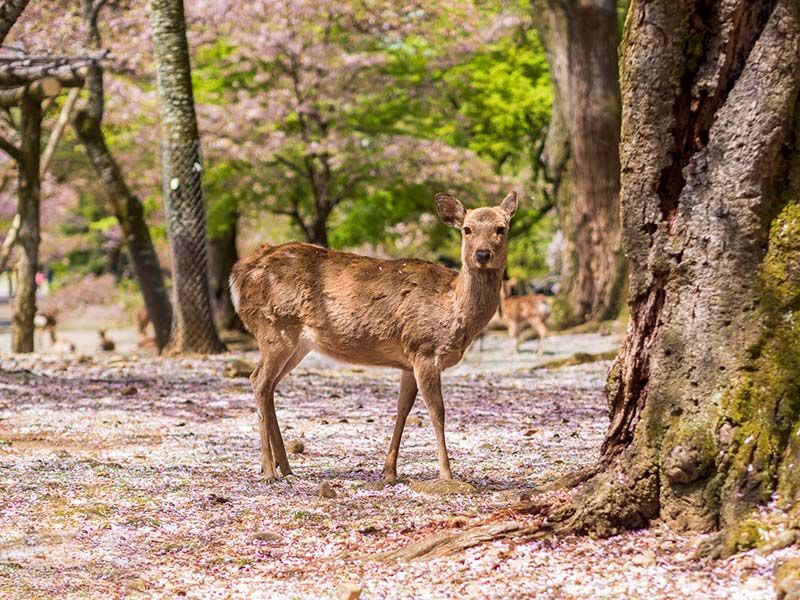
[[356, 308], [526, 308]]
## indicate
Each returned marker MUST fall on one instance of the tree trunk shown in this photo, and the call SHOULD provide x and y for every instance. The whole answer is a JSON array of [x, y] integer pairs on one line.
[[222, 255], [319, 230], [28, 192], [10, 11], [705, 393], [581, 42], [193, 327], [126, 206]]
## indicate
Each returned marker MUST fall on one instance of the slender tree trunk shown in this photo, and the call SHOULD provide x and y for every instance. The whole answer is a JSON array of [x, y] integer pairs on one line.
[[705, 393], [193, 327], [319, 230], [222, 255], [126, 206], [28, 193], [10, 10], [581, 42]]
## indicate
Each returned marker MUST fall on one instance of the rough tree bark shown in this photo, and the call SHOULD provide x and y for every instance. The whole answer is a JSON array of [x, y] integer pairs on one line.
[[222, 255], [581, 43], [193, 327], [705, 393], [28, 196], [125, 204]]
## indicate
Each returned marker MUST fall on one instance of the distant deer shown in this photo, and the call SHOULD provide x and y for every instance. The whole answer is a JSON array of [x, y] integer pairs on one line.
[[142, 321], [47, 321], [106, 344], [416, 316], [519, 312]]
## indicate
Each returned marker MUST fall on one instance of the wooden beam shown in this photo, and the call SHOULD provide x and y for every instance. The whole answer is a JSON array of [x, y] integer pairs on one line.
[[22, 71], [47, 87]]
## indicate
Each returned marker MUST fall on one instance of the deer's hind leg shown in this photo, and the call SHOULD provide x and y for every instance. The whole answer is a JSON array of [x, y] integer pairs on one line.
[[278, 349], [541, 329], [276, 439], [408, 393]]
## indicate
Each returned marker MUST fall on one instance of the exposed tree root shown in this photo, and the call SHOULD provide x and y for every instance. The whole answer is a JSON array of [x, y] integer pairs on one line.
[[450, 542], [598, 502]]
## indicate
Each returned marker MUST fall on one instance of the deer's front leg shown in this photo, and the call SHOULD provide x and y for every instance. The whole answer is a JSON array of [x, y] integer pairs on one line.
[[408, 393], [429, 380]]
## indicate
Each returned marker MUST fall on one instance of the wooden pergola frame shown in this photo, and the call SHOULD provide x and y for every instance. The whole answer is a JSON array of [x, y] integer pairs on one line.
[[25, 82]]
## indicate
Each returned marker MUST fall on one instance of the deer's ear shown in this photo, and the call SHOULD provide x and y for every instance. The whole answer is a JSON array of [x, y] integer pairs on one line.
[[509, 204], [450, 210]]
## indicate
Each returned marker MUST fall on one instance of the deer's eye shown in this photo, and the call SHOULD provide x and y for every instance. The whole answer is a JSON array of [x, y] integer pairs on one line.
[[467, 230], [501, 230]]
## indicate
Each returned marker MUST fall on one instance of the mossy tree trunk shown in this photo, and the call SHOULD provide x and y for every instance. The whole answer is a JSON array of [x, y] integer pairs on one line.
[[126, 206], [581, 42], [28, 198], [705, 393], [193, 328]]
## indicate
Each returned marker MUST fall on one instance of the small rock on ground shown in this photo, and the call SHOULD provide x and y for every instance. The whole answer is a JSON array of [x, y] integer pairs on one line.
[[326, 490], [295, 447], [349, 591]]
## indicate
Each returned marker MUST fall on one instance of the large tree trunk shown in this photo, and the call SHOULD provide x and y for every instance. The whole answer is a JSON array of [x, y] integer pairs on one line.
[[581, 42], [705, 393], [222, 255], [28, 193], [126, 206], [193, 327], [10, 10]]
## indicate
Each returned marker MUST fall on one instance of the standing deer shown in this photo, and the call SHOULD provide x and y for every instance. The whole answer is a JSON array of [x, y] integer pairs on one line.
[[413, 315], [519, 312]]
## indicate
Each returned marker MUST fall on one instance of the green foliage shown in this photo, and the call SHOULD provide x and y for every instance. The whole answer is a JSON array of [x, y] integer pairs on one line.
[[504, 100]]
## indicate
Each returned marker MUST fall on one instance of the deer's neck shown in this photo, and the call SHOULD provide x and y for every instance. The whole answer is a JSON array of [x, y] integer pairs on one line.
[[477, 296]]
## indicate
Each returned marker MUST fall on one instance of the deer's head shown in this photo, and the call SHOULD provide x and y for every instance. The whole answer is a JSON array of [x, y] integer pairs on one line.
[[484, 231]]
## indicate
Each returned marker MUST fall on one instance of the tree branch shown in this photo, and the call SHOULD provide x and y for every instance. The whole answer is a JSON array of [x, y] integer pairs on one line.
[[10, 149], [10, 11], [8, 243], [58, 129], [294, 213]]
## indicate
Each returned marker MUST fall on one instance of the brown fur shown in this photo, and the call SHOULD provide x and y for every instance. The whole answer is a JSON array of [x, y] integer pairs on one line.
[[409, 314], [106, 344], [47, 321], [520, 312]]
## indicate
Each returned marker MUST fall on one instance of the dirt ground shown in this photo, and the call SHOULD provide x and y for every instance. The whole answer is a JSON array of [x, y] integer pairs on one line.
[[123, 476]]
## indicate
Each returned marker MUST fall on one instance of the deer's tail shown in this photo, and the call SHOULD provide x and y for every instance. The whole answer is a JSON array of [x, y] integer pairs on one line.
[[239, 274]]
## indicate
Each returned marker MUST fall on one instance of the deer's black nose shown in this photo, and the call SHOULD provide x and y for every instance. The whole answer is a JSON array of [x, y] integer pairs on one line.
[[483, 256]]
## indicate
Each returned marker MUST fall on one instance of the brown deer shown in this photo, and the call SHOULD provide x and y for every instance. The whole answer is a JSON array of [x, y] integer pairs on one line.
[[47, 321], [519, 312], [413, 315], [106, 343]]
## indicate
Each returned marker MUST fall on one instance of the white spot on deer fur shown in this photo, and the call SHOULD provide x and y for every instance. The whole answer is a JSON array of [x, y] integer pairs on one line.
[[234, 292], [174, 183]]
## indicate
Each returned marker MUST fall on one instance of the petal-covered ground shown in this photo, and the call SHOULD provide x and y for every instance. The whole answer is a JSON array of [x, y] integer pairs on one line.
[[122, 477]]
